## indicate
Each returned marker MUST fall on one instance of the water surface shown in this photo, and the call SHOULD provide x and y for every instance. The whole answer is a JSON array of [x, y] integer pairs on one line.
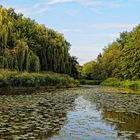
[[96, 113]]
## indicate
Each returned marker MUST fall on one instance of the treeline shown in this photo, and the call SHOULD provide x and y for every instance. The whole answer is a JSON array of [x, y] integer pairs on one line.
[[28, 46], [121, 59]]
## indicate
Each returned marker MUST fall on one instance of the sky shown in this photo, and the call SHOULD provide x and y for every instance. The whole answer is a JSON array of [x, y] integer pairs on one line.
[[89, 25]]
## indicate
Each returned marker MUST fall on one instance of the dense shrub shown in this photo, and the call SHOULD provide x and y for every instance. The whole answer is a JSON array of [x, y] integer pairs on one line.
[[111, 82], [10, 79], [124, 84]]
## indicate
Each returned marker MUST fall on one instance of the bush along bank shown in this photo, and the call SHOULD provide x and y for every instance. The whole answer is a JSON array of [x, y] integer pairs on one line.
[[13, 79], [135, 85]]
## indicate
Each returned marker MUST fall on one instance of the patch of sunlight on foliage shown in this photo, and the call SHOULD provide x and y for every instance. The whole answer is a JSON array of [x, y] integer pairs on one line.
[[135, 85], [111, 82]]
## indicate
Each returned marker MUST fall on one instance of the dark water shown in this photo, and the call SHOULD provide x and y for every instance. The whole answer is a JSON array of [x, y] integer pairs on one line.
[[78, 114]]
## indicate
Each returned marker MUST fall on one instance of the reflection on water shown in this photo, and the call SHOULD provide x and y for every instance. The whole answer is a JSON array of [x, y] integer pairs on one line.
[[65, 115], [84, 123], [127, 124]]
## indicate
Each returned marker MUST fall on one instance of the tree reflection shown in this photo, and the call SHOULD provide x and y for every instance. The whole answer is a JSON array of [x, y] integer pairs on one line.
[[125, 123]]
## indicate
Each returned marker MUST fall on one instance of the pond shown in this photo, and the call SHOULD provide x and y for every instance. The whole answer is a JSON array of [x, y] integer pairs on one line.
[[91, 113]]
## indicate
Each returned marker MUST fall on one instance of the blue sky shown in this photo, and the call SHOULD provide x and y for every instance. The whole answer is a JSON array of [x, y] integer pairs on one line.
[[89, 25]]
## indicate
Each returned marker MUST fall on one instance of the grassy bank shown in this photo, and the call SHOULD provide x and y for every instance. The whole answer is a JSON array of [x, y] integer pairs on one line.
[[135, 85], [14, 79]]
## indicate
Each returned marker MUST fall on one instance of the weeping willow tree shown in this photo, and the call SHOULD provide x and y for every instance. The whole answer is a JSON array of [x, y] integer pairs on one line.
[[28, 46], [5, 27], [57, 52], [26, 59], [4, 58], [34, 62]]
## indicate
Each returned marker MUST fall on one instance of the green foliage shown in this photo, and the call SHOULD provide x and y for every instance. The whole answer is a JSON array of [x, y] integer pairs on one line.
[[79, 69], [131, 84], [111, 82], [72, 65], [123, 84], [3, 82], [107, 62], [129, 67], [11, 79], [87, 70], [121, 59], [27, 46]]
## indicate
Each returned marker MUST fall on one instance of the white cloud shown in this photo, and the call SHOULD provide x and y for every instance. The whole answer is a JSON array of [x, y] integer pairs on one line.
[[43, 6], [86, 29], [87, 2], [51, 2], [102, 3], [37, 8]]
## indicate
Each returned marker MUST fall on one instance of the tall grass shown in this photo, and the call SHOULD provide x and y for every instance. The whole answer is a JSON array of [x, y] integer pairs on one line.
[[123, 84], [111, 82], [11, 79]]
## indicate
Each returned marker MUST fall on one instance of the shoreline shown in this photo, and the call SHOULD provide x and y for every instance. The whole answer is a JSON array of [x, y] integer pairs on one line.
[[32, 90]]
